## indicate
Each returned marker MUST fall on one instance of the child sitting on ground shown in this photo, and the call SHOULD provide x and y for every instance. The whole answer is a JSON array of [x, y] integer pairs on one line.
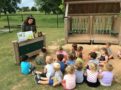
[[64, 53], [26, 67], [106, 76], [79, 58], [92, 58], [91, 75], [62, 64], [48, 70], [96, 49], [104, 56], [69, 80], [110, 54], [74, 49], [71, 60], [55, 80], [79, 72], [119, 53], [40, 59], [79, 51]]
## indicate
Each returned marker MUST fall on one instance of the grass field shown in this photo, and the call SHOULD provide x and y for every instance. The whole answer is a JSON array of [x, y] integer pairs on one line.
[[10, 77]]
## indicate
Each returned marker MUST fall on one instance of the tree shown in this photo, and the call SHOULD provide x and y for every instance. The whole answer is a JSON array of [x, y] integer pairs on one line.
[[25, 9], [8, 6], [49, 6], [33, 8]]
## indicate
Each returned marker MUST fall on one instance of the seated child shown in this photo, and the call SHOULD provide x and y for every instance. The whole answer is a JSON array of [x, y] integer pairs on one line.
[[74, 49], [64, 53], [119, 54], [110, 54], [26, 67], [92, 58], [79, 58], [79, 72], [97, 50], [69, 80], [104, 56], [79, 51], [106, 76], [71, 60], [48, 70], [91, 75], [62, 64], [40, 59], [55, 80]]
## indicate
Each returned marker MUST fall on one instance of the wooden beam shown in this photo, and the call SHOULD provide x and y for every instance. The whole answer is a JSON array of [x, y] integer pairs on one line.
[[66, 11], [99, 1], [94, 14]]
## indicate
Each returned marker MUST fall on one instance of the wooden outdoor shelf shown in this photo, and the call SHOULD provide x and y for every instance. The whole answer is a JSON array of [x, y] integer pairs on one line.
[[100, 19], [29, 47]]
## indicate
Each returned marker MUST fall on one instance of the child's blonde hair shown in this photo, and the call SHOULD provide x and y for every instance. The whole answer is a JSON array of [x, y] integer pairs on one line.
[[93, 66], [78, 65], [49, 59], [70, 69], [108, 67], [56, 66]]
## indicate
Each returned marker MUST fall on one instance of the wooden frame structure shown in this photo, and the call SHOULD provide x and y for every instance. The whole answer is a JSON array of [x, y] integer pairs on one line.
[[30, 47], [92, 21]]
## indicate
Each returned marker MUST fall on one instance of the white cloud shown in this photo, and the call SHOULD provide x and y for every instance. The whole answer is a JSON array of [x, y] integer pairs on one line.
[[28, 3]]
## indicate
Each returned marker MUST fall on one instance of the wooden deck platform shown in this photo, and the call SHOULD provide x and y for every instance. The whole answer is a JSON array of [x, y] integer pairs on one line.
[[105, 38], [79, 38], [86, 38]]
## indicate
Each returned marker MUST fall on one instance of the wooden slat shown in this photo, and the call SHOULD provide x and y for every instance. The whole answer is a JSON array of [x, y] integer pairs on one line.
[[90, 1]]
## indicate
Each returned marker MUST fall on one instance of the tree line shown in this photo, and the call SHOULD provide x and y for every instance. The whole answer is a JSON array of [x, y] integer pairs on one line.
[[47, 6]]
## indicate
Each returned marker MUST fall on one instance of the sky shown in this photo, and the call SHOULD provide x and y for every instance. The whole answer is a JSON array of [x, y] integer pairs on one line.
[[28, 3]]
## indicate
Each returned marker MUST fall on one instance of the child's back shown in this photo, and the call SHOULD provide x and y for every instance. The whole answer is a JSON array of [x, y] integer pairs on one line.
[[69, 80], [25, 67], [106, 77], [79, 76], [79, 72]]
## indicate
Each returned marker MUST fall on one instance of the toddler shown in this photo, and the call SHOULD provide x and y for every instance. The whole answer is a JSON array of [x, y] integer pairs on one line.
[[71, 60], [26, 67], [79, 72], [106, 76], [55, 80], [69, 80], [91, 75]]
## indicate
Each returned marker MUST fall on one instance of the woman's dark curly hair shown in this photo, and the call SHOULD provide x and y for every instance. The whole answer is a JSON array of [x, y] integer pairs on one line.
[[30, 17]]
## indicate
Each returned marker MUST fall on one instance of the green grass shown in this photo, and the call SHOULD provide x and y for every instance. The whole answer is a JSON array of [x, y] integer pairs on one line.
[[10, 77], [45, 21]]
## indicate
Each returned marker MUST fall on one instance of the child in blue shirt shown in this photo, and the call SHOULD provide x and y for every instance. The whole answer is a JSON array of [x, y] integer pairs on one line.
[[71, 60], [26, 67], [60, 61]]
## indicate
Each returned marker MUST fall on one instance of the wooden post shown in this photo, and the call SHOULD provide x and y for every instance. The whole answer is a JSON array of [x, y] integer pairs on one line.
[[91, 29], [16, 51], [120, 27]]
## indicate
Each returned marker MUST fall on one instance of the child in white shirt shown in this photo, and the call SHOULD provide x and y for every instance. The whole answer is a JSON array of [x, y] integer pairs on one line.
[[48, 70], [55, 80], [69, 81], [91, 75]]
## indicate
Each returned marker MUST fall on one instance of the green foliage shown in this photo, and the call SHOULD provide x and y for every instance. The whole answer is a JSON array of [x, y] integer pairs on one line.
[[33, 8], [24, 9], [8, 6], [49, 6]]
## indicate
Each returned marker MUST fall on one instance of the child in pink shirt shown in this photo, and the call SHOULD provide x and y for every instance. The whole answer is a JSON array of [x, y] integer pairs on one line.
[[69, 81], [64, 53]]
